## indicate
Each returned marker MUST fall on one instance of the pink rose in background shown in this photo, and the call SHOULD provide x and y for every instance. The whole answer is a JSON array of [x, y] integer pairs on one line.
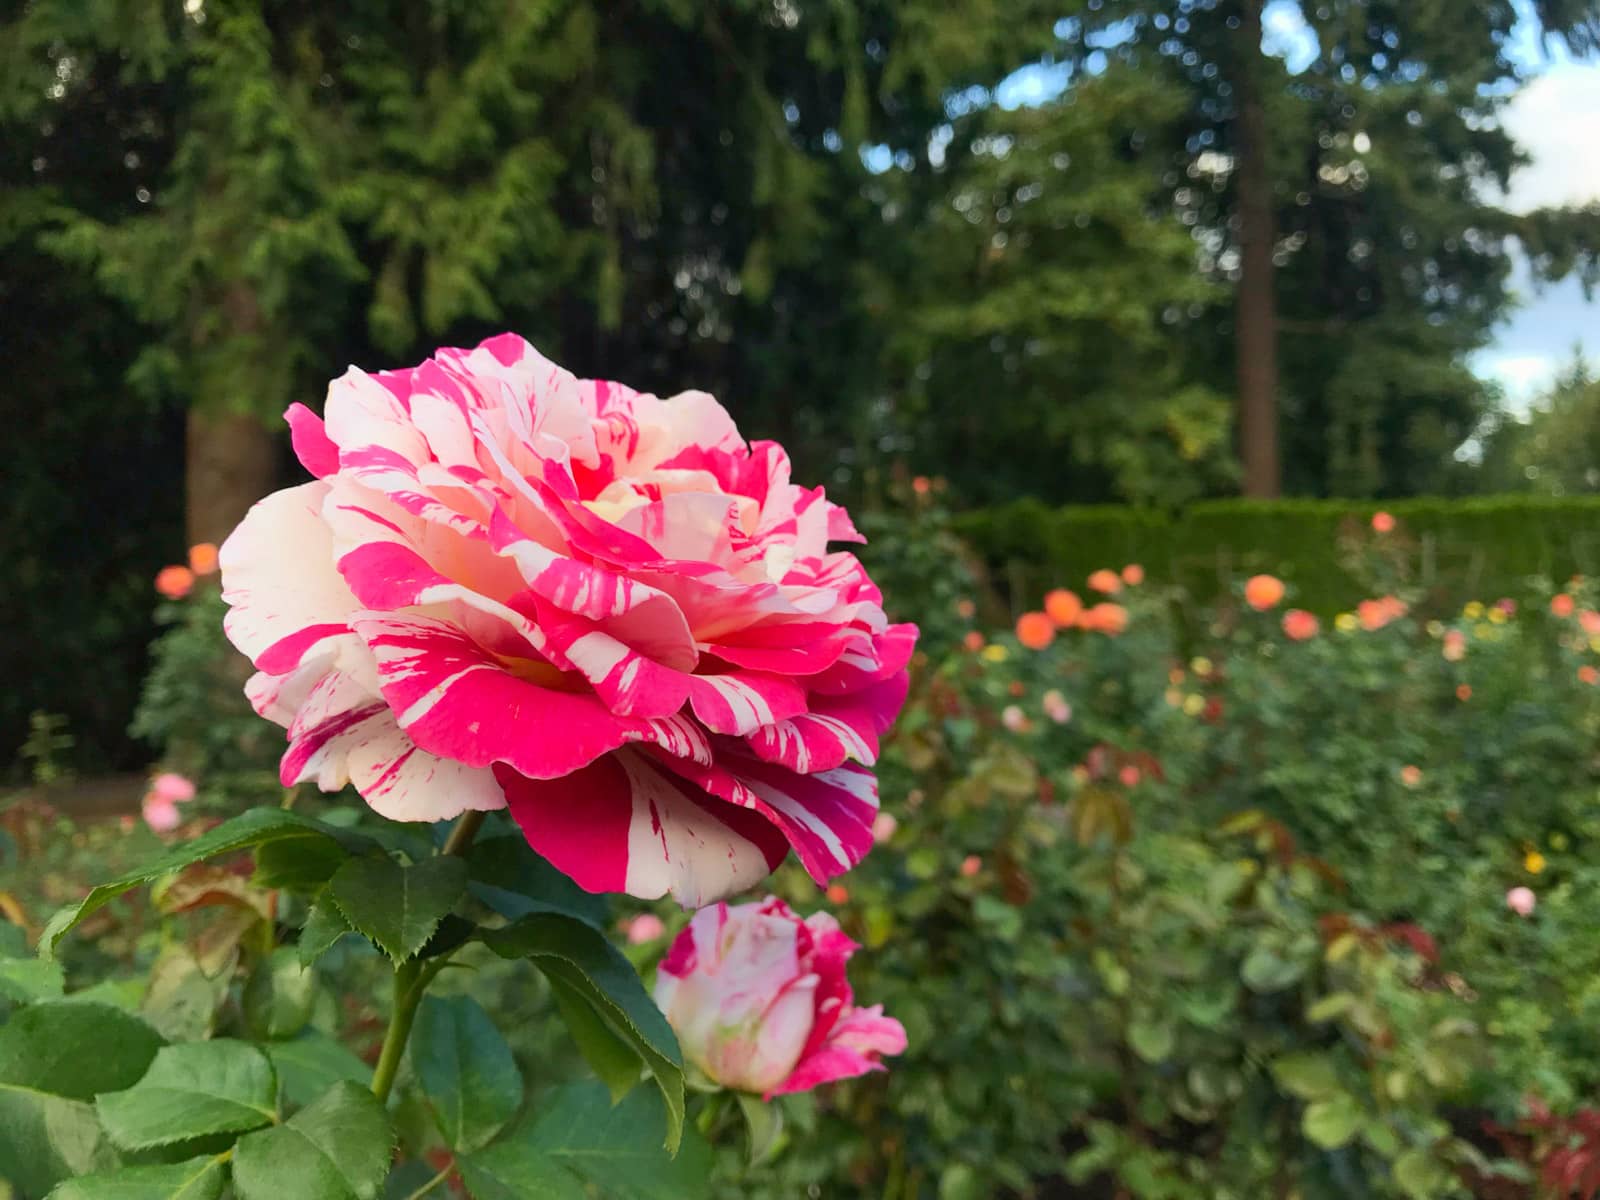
[[646, 927], [1521, 901], [760, 1002], [161, 815], [884, 826], [1056, 707], [172, 788], [510, 587]]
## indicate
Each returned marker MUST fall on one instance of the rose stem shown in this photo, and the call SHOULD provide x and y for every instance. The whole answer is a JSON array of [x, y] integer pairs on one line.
[[411, 978]]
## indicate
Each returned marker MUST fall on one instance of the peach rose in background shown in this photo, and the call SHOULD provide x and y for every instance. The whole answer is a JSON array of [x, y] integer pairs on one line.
[[1382, 522], [760, 1001], [1299, 625], [1522, 901], [508, 587]]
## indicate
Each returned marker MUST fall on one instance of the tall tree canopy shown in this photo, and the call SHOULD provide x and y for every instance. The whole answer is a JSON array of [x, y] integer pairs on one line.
[[828, 212], [1350, 208]]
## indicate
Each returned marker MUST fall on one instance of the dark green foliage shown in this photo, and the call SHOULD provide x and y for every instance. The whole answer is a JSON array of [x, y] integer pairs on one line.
[[466, 1071], [191, 1090], [336, 1148], [397, 906], [578, 1137], [615, 1012], [1455, 549]]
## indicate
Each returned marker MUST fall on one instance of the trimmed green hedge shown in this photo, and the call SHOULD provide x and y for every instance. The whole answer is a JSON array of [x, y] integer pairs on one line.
[[1455, 550]]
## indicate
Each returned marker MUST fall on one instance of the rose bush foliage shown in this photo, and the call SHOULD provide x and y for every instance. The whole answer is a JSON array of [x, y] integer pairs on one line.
[[1183, 904]]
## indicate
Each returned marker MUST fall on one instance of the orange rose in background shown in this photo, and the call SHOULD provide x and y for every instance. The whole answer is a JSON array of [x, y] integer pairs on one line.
[[1110, 619], [1375, 614], [1262, 592], [1561, 605], [174, 582], [1133, 574], [203, 558], [1063, 607], [1382, 522], [1035, 630], [1107, 582]]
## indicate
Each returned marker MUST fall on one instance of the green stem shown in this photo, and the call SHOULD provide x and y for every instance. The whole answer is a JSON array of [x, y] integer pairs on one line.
[[466, 829], [408, 986], [434, 1182], [412, 978]]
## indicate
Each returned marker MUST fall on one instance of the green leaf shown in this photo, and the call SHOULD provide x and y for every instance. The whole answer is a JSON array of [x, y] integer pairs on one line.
[[337, 1148], [508, 876], [1332, 1122], [513, 1171], [29, 979], [613, 1059], [324, 926], [1265, 970], [1151, 1040], [75, 1049], [1421, 1176], [54, 1057], [298, 866], [581, 1144], [1333, 1005], [765, 1124], [1309, 1075], [278, 996], [194, 1179], [45, 1138], [310, 1063], [466, 1070], [190, 1090], [182, 1000], [257, 827], [398, 907], [590, 967]]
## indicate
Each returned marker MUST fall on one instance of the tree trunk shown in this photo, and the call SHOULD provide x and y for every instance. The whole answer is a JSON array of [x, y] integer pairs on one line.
[[231, 462], [1256, 320]]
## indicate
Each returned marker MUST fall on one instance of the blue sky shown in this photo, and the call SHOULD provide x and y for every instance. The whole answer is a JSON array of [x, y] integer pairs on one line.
[[1556, 119]]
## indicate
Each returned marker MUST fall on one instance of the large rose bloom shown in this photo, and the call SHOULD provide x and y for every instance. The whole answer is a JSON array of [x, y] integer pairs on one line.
[[511, 587], [760, 1002]]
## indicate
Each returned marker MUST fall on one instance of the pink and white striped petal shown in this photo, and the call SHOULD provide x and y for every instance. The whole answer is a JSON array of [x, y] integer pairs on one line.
[[279, 580], [837, 729], [852, 1049], [460, 702], [743, 701], [826, 817], [623, 824]]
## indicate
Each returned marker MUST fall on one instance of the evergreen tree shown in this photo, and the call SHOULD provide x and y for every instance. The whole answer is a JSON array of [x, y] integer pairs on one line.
[[1348, 205]]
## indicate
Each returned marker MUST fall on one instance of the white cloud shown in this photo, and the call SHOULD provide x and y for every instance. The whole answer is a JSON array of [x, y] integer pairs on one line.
[[1555, 119]]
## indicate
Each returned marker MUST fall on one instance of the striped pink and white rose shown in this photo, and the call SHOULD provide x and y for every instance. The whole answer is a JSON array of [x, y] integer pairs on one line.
[[760, 1002], [510, 587]]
